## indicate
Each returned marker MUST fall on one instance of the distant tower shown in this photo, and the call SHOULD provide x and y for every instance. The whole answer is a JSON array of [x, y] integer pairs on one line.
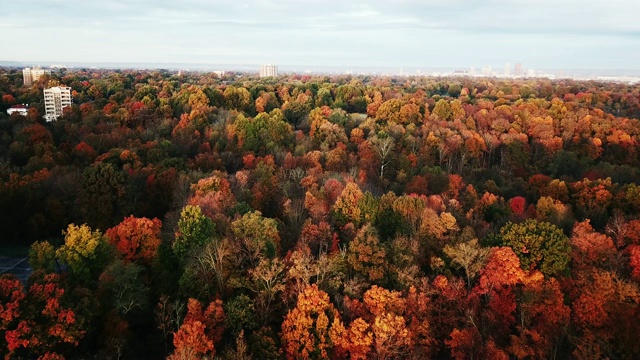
[[30, 75], [55, 100], [518, 69], [507, 69], [268, 71]]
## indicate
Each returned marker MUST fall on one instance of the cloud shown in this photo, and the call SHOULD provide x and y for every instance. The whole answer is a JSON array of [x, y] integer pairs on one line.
[[550, 33]]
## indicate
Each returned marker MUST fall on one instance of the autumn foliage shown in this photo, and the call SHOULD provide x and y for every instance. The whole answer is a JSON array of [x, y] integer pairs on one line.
[[136, 238], [201, 216], [40, 322], [306, 329], [200, 331]]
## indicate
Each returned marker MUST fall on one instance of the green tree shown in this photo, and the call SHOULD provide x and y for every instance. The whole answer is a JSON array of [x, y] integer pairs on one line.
[[194, 231], [237, 98], [123, 286], [324, 97], [42, 256], [539, 245], [349, 97], [295, 112], [263, 132], [257, 237], [241, 314], [442, 110], [454, 90], [102, 200]]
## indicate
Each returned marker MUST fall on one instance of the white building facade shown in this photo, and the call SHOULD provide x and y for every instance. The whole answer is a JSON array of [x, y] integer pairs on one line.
[[18, 109], [55, 100], [268, 71], [29, 76]]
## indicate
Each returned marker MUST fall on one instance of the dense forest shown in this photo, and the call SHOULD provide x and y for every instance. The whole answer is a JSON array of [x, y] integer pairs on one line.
[[196, 217]]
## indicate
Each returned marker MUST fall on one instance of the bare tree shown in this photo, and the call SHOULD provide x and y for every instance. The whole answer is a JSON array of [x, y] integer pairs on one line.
[[468, 256], [169, 315], [383, 148]]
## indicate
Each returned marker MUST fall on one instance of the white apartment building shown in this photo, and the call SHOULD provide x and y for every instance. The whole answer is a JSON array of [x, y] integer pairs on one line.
[[268, 71], [55, 100], [30, 75]]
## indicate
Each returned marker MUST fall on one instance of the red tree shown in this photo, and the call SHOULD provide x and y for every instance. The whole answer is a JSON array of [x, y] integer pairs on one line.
[[199, 332], [137, 239], [37, 323]]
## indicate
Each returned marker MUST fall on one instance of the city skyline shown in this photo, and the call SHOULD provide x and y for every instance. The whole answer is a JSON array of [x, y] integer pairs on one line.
[[329, 33], [630, 76]]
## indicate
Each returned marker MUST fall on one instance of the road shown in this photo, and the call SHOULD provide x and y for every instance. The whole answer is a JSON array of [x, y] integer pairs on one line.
[[16, 266]]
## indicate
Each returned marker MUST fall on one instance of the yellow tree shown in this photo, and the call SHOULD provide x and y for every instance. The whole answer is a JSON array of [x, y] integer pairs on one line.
[[366, 256], [389, 111], [346, 207], [84, 251], [306, 328], [391, 336], [387, 329], [410, 207]]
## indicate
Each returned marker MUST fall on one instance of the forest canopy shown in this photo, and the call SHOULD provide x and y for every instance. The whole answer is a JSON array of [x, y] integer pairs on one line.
[[328, 217]]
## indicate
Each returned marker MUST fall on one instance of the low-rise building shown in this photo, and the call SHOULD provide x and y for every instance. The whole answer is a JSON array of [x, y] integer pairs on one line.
[[20, 109]]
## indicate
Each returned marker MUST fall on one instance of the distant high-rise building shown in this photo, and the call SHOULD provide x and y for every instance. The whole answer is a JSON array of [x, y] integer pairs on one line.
[[507, 69], [472, 71], [30, 75], [55, 100], [518, 69], [487, 71], [268, 71]]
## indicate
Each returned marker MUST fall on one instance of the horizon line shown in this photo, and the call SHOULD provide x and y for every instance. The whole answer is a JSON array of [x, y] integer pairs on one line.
[[397, 67]]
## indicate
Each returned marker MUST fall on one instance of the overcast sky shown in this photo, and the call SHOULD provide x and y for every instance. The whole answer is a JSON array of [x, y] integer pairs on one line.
[[598, 34]]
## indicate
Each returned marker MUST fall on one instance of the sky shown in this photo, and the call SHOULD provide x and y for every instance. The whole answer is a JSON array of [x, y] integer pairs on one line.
[[545, 34]]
